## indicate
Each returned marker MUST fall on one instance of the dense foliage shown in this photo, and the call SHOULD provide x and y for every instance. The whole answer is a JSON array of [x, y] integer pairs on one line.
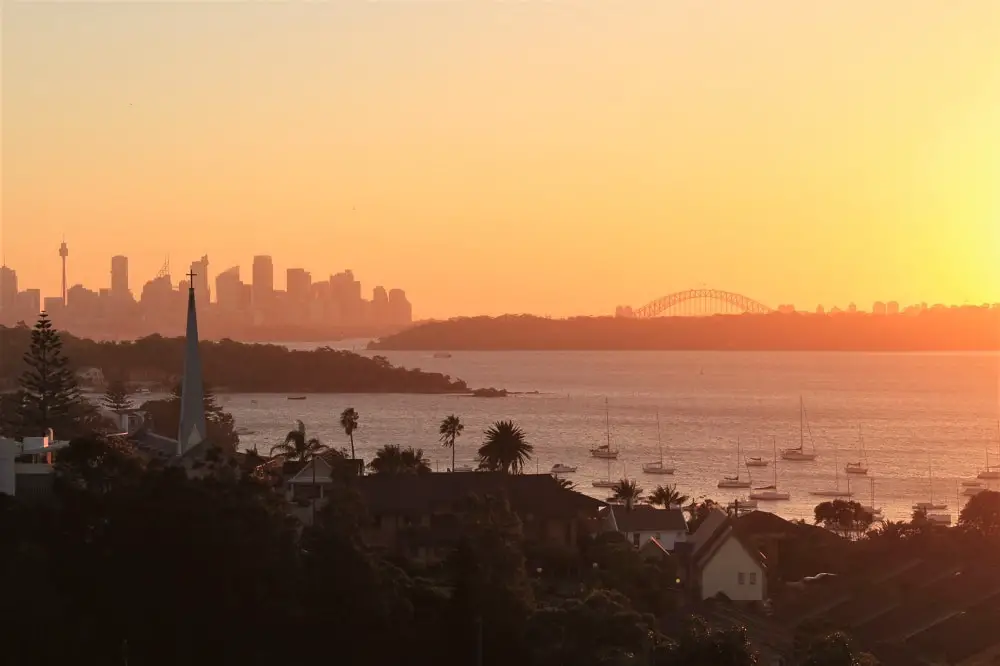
[[165, 416], [958, 329], [232, 366]]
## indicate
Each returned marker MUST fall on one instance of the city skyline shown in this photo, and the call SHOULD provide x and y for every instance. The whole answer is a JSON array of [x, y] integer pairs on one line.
[[493, 157]]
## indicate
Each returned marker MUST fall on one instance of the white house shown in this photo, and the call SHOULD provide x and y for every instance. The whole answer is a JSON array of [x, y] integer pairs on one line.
[[32, 474], [721, 562], [643, 522]]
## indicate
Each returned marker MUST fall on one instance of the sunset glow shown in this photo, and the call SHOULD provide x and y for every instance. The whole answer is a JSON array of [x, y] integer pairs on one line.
[[554, 158]]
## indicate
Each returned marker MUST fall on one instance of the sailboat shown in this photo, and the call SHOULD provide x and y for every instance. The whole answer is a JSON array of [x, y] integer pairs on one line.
[[931, 505], [735, 481], [757, 461], [799, 453], [991, 473], [606, 482], [657, 467], [835, 491], [605, 450], [860, 467], [771, 492]]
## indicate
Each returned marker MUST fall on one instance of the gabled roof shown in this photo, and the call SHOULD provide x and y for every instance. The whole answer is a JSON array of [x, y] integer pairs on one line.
[[653, 544], [421, 494], [305, 473], [645, 518], [706, 548], [708, 527]]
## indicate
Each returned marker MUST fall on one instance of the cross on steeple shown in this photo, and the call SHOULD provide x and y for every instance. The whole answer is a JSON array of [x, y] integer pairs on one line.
[[191, 277]]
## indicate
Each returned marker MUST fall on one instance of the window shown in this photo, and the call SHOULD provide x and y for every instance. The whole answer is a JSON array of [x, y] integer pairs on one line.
[[635, 539], [753, 578], [741, 578]]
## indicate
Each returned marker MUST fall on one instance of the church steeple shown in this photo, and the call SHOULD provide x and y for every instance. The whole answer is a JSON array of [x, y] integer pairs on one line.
[[192, 430]]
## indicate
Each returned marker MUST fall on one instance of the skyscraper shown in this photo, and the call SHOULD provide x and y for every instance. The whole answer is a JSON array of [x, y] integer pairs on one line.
[[263, 280], [119, 276], [63, 253], [298, 284], [8, 288], [199, 269]]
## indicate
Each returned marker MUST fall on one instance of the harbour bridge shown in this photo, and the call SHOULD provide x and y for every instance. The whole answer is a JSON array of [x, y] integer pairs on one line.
[[696, 302]]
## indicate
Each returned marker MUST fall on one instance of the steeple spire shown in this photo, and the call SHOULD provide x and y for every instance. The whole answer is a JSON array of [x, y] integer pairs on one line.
[[192, 426]]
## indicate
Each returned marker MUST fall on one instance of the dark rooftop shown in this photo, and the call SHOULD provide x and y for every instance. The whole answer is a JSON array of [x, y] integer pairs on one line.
[[645, 518], [537, 494]]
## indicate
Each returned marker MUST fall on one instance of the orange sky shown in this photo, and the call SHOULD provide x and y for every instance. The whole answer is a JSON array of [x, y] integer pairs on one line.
[[489, 157]]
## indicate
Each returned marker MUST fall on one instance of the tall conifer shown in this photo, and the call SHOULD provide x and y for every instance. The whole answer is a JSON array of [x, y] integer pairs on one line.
[[51, 395]]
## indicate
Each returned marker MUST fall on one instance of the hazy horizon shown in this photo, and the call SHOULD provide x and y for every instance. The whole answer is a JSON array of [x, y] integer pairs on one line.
[[490, 158]]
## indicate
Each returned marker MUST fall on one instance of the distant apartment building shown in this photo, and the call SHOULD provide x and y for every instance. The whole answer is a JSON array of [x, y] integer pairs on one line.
[[263, 281], [298, 285], [879, 308], [892, 308], [119, 276], [201, 289], [8, 289], [229, 292]]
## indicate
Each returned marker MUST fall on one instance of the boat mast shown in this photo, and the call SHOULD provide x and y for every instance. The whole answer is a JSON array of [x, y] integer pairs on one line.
[[737, 456], [607, 424], [836, 466], [802, 424], [658, 440], [774, 445]]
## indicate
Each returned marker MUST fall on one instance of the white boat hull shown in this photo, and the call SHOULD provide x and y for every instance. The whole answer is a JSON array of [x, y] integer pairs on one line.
[[991, 475], [656, 468], [605, 484], [770, 496], [929, 506], [734, 484], [939, 518], [831, 493], [856, 470], [605, 455], [758, 463], [798, 456], [562, 469]]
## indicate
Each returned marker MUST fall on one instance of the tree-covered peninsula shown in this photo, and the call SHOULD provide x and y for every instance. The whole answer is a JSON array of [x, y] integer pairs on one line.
[[939, 329], [231, 366]]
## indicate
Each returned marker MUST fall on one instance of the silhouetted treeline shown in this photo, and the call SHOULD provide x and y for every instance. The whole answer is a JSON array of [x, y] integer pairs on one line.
[[232, 366], [956, 329]]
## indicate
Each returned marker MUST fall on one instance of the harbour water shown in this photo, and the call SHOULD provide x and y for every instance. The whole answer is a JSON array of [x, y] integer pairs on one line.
[[918, 412]]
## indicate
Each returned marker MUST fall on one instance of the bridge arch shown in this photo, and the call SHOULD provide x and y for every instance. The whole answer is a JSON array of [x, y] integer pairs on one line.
[[697, 301]]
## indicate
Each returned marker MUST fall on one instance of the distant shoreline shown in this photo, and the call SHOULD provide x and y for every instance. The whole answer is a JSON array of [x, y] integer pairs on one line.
[[973, 330]]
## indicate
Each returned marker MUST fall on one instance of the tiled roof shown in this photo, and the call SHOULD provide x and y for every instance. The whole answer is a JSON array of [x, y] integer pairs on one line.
[[536, 494], [645, 518]]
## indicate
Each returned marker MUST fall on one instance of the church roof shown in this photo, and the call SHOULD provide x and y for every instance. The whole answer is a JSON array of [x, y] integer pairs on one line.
[[192, 430]]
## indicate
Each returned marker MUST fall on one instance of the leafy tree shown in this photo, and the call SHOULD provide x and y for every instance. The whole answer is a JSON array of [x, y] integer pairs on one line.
[[699, 645], [166, 418], [51, 397], [98, 464], [391, 459], [835, 649], [298, 446], [492, 596], [982, 514], [565, 483], [505, 448], [845, 517], [600, 628], [450, 430], [116, 398], [12, 414], [666, 496], [890, 530], [699, 511], [349, 422], [628, 492]]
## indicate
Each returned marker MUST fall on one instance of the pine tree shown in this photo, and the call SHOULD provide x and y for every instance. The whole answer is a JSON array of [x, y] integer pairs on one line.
[[116, 398], [51, 396]]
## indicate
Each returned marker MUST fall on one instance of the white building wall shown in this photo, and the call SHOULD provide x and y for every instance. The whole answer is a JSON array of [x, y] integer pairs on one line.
[[732, 571], [666, 538], [9, 450]]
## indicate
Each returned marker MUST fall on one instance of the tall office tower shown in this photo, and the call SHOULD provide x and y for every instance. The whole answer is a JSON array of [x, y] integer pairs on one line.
[[8, 288], [400, 309], [229, 289], [298, 284], [64, 252], [119, 276], [263, 280], [199, 281]]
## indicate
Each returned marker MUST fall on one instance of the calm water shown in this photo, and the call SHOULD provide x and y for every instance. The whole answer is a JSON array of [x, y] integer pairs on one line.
[[917, 412]]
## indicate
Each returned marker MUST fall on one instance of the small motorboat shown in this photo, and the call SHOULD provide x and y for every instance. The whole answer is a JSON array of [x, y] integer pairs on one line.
[[856, 468], [656, 468], [971, 484], [604, 483], [930, 506], [604, 452], [442, 355], [296, 397], [939, 518], [757, 462], [733, 482], [559, 468]]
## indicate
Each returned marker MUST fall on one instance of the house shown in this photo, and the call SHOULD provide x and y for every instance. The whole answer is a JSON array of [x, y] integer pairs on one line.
[[419, 516], [642, 522], [26, 467], [720, 561]]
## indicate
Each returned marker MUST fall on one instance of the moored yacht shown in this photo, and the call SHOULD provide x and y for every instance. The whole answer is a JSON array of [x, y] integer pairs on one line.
[[560, 468], [860, 467], [657, 467], [736, 481], [799, 453], [771, 493], [757, 462], [605, 451]]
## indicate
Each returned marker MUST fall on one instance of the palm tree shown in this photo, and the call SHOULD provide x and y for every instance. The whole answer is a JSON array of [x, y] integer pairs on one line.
[[297, 447], [566, 484], [349, 422], [451, 429], [505, 449], [666, 496], [391, 459], [626, 491]]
